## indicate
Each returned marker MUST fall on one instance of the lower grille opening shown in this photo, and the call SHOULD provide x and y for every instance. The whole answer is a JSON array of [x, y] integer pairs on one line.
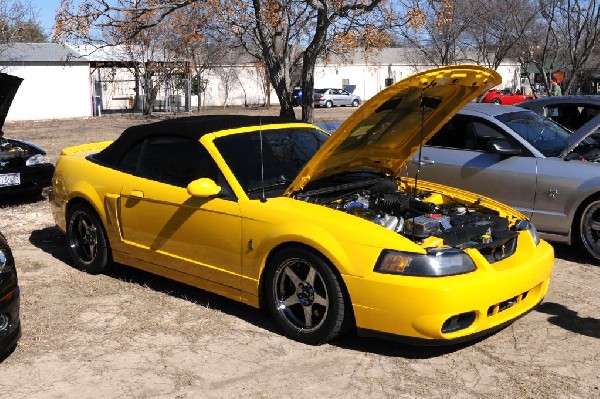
[[509, 303], [458, 322]]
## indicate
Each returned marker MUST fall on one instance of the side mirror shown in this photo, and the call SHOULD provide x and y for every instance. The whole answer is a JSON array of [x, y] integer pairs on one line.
[[501, 147], [203, 188]]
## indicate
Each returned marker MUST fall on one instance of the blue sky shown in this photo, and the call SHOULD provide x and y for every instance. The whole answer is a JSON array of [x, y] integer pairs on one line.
[[46, 10]]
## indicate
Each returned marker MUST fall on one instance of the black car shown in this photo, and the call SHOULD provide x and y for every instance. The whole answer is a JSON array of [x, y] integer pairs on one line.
[[24, 168], [10, 325], [571, 111]]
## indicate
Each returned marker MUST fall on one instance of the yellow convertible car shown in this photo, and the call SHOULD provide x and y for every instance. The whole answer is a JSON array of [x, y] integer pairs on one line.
[[322, 231]]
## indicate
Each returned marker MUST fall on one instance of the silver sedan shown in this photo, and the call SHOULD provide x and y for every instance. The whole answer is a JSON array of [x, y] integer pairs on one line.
[[525, 160], [330, 97]]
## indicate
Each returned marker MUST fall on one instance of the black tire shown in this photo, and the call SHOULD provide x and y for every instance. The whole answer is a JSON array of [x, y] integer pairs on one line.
[[328, 104], [305, 297], [496, 101], [355, 103], [589, 228], [86, 239]]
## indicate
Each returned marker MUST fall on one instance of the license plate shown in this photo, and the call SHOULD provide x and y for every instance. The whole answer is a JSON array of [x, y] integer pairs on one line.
[[10, 179]]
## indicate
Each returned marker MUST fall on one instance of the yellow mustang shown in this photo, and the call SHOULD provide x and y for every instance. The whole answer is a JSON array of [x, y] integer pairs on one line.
[[323, 231]]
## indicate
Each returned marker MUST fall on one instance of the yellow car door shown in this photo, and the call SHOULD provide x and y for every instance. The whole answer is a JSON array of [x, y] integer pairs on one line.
[[162, 223]]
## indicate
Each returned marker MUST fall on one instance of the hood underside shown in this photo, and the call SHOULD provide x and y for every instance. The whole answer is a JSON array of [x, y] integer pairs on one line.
[[9, 85], [388, 130], [587, 129]]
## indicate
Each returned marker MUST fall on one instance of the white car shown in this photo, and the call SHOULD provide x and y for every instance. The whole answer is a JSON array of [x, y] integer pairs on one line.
[[329, 97]]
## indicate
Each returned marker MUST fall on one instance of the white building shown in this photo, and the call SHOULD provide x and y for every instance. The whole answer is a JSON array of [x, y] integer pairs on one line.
[[64, 82], [242, 81], [56, 81]]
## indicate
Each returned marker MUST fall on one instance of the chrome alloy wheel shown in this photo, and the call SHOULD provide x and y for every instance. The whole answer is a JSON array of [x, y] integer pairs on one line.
[[301, 295], [83, 237], [589, 228]]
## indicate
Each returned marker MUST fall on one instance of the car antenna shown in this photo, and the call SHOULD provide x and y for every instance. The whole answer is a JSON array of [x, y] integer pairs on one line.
[[419, 157], [263, 198]]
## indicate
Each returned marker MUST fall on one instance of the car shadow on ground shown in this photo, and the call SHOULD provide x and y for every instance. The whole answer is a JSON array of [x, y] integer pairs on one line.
[[398, 349], [569, 320], [52, 241], [573, 253], [15, 200]]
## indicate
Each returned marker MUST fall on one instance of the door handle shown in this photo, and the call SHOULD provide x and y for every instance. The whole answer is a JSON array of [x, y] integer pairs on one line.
[[424, 161], [136, 194]]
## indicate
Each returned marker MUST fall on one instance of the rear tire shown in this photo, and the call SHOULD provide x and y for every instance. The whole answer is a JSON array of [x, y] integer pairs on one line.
[[87, 242], [496, 101], [589, 228], [328, 104], [305, 296]]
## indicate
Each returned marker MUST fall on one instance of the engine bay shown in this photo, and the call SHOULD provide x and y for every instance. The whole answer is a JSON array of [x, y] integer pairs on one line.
[[585, 152], [10, 149], [416, 217]]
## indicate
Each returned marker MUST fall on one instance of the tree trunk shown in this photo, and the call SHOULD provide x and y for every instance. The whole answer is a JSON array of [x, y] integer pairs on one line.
[[309, 60]]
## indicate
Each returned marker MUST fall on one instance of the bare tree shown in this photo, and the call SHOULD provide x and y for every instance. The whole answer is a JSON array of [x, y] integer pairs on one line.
[[494, 31], [578, 30], [438, 30], [285, 35], [18, 23]]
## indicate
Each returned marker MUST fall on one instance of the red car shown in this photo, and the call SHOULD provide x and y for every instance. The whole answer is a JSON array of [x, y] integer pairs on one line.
[[505, 97]]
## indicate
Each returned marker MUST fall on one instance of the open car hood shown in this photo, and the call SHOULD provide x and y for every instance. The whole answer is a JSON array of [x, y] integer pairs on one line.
[[9, 85], [386, 131], [590, 127]]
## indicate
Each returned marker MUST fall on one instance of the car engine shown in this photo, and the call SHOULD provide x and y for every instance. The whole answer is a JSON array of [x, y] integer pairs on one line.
[[10, 149], [459, 225], [14, 151]]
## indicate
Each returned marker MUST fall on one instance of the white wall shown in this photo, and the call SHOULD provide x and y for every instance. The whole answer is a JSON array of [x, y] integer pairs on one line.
[[51, 92], [235, 85], [370, 79]]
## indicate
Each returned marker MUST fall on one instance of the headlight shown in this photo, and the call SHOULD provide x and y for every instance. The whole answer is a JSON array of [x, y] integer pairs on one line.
[[35, 160], [527, 225], [6, 265], [436, 262]]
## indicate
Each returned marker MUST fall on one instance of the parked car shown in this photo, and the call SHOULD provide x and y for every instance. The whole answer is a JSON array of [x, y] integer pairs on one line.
[[525, 160], [505, 97], [329, 97], [572, 111], [297, 96], [24, 168], [317, 230], [10, 324]]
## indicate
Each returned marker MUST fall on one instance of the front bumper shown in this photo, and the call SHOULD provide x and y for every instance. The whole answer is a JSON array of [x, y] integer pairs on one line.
[[33, 179], [437, 310]]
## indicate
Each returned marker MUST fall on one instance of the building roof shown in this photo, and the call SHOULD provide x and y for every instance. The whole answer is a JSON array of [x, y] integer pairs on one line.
[[38, 52]]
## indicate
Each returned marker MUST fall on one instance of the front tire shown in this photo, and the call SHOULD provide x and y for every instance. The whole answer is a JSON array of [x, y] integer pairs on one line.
[[87, 242], [355, 103], [589, 228], [496, 101], [304, 296]]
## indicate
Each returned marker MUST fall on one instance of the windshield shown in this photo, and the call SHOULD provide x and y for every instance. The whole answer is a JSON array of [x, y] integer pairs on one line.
[[546, 136], [284, 154]]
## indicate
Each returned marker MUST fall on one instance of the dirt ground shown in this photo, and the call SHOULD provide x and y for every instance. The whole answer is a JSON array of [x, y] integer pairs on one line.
[[131, 334]]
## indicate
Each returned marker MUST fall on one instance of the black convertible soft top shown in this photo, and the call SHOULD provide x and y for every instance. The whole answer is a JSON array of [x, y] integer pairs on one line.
[[191, 127]]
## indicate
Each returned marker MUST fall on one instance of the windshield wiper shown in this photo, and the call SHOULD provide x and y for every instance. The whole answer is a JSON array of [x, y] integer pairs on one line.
[[281, 181]]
